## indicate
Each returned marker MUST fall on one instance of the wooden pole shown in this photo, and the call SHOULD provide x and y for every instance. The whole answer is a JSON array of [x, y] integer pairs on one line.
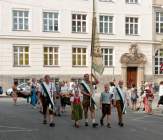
[[93, 44]]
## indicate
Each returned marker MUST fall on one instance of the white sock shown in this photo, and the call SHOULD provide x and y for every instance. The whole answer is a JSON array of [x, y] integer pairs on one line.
[[86, 120], [93, 120]]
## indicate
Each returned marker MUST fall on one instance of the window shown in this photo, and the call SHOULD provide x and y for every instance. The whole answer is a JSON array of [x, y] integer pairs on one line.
[[51, 56], [132, 1], [107, 55], [21, 55], [106, 24], [159, 22], [22, 81], [50, 21], [76, 80], [79, 56], [20, 20], [159, 61], [79, 23], [132, 26]]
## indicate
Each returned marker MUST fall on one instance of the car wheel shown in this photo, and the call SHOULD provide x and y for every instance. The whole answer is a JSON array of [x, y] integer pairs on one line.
[[11, 93]]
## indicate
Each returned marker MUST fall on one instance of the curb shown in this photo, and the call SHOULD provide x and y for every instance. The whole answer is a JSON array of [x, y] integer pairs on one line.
[[4, 96], [158, 112]]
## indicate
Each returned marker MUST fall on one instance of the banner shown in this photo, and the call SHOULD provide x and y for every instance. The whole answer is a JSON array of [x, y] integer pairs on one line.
[[96, 52]]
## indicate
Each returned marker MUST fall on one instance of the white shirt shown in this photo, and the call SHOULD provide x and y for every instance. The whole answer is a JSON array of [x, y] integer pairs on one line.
[[116, 95], [50, 88], [64, 89], [161, 90]]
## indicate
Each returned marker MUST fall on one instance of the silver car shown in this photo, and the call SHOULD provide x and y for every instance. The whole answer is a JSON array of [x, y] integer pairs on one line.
[[23, 88]]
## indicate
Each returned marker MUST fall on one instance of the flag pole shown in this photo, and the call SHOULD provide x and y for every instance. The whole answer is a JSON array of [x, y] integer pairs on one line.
[[92, 44], [93, 36]]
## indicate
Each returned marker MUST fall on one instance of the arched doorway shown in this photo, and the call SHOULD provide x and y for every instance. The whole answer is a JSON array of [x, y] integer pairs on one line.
[[133, 64]]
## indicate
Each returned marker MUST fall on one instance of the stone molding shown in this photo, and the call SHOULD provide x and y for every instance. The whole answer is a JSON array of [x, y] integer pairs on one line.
[[133, 57]]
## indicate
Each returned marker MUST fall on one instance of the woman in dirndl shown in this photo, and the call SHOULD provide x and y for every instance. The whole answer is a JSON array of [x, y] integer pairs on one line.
[[76, 105], [148, 99], [160, 102]]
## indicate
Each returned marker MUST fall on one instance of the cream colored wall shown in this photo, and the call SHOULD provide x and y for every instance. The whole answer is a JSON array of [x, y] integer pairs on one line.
[[65, 39]]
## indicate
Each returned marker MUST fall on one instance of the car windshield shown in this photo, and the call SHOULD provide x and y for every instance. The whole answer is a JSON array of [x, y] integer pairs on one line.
[[23, 85]]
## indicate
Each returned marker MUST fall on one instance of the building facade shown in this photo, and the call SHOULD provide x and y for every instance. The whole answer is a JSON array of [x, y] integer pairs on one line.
[[39, 37]]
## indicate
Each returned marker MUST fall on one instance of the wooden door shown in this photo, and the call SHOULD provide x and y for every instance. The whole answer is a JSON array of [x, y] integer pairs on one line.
[[131, 76]]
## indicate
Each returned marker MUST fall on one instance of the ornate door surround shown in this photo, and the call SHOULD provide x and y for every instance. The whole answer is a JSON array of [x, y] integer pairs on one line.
[[133, 59]]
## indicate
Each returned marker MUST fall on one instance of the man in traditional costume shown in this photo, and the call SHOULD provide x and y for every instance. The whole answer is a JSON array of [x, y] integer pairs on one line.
[[120, 101], [88, 103], [48, 90]]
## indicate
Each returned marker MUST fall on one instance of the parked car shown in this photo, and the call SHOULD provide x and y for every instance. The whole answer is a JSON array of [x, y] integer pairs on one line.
[[23, 90], [1, 90]]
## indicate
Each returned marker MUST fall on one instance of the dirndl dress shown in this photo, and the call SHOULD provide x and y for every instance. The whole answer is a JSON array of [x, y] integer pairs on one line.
[[77, 111]]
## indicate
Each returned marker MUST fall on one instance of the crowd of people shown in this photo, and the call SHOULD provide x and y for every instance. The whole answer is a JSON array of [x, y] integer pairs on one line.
[[143, 97], [52, 97]]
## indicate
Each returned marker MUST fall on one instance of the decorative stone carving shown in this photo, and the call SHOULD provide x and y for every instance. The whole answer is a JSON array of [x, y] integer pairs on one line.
[[133, 57], [97, 52]]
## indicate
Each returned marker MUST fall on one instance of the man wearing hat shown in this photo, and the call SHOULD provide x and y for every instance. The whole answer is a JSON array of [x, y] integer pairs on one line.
[[120, 101], [88, 103]]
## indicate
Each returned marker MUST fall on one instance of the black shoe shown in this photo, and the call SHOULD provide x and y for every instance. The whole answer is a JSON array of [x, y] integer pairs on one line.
[[94, 125], [41, 112], [52, 124], [108, 125], [59, 115], [120, 124], [86, 123], [44, 122], [101, 122]]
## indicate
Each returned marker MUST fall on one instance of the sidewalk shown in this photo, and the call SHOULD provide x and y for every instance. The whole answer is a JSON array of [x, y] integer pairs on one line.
[[4, 96], [158, 112]]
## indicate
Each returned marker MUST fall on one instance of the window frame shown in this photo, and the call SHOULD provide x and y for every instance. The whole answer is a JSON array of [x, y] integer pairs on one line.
[[134, 1], [53, 54], [53, 12], [81, 22], [159, 22], [129, 23], [158, 57], [108, 22], [23, 19], [76, 56], [18, 55], [21, 80], [108, 54]]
